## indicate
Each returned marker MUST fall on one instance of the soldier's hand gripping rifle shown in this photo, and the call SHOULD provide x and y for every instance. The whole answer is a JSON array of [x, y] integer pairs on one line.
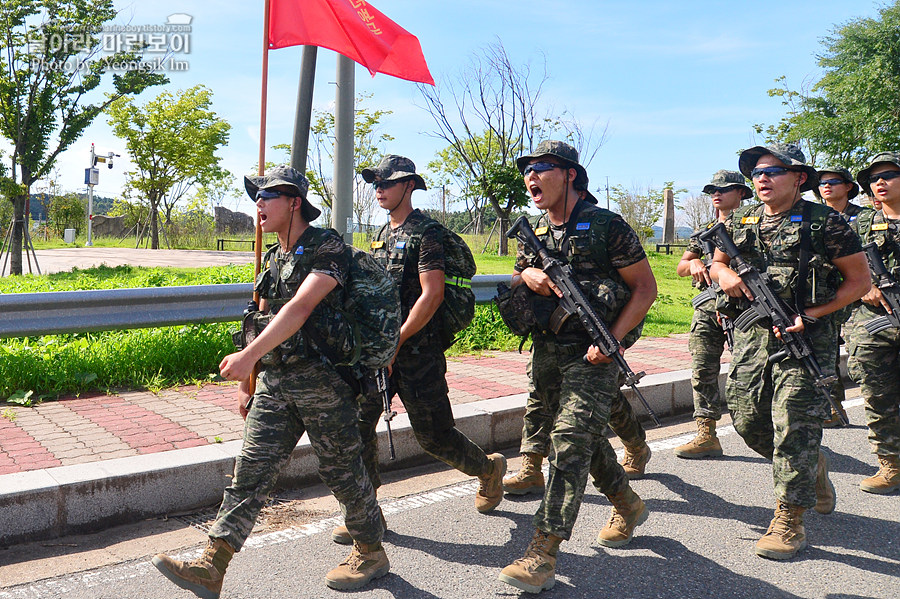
[[889, 288], [709, 294], [767, 304], [573, 301], [381, 380]]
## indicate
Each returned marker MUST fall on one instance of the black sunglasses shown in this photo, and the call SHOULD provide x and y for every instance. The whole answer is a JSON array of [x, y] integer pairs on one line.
[[541, 167], [720, 190], [386, 184], [770, 171], [266, 195], [824, 182], [886, 175]]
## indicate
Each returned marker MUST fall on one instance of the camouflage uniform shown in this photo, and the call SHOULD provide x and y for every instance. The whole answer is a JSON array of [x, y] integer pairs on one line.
[[299, 391], [577, 396], [774, 405], [874, 360], [706, 344], [419, 372]]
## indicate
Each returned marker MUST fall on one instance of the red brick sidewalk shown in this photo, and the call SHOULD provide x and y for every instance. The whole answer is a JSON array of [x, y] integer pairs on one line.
[[98, 427]]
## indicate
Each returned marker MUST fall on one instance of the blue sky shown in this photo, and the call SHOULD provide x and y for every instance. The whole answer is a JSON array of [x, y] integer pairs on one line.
[[679, 84]]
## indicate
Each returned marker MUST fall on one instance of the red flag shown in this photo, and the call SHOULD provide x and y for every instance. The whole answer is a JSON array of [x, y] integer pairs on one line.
[[353, 28]]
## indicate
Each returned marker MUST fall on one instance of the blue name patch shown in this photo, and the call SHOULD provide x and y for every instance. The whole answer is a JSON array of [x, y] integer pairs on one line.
[[582, 226], [796, 218], [401, 245], [299, 251]]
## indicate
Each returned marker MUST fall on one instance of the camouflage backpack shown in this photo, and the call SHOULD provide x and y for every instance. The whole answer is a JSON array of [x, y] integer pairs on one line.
[[372, 306]]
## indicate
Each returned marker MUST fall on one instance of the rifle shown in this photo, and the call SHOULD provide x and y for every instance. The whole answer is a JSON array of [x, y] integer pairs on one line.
[[890, 290], [709, 294], [767, 304], [381, 380], [573, 301]]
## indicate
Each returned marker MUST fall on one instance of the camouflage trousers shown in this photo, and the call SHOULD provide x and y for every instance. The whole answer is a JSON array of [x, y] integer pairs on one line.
[[874, 363], [775, 407], [541, 408], [706, 344], [306, 396], [419, 378], [585, 393]]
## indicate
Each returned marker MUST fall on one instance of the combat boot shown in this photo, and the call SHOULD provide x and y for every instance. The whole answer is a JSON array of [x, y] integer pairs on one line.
[[704, 445], [635, 460], [341, 535], [628, 513], [887, 479], [536, 570], [786, 535], [826, 498], [202, 576], [365, 563], [490, 487], [529, 478], [835, 421]]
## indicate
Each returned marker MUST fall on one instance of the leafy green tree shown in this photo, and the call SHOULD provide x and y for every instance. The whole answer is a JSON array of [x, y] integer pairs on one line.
[[494, 118], [50, 63], [852, 112], [642, 207], [66, 212], [173, 141]]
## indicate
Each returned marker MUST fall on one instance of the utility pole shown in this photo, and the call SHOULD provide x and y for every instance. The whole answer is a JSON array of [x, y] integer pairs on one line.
[[91, 178]]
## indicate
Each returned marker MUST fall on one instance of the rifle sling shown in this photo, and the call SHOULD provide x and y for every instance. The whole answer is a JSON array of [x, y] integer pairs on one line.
[[804, 258]]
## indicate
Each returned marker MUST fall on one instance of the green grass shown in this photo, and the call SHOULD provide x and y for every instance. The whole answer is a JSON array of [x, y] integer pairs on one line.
[[55, 365]]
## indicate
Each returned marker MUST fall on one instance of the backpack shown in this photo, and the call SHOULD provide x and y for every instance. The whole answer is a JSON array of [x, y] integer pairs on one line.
[[458, 307], [372, 305]]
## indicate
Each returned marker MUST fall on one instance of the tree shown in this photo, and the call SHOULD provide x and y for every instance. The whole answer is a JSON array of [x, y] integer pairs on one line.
[[852, 112], [66, 212], [642, 207], [368, 146], [47, 70], [172, 141], [495, 118], [698, 210]]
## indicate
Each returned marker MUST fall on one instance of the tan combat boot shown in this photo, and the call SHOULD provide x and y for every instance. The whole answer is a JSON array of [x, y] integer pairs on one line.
[[628, 513], [704, 445], [202, 576], [634, 462], [341, 535], [826, 498], [887, 479], [786, 535], [529, 478], [490, 487], [365, 562], [536, 570]]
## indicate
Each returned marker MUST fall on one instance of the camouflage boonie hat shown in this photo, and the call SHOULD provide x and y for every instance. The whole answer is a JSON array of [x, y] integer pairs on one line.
[[725, 178], [884, 157], [790, 154], [283, 174], [391, 168], [562, 151], [845, 175]]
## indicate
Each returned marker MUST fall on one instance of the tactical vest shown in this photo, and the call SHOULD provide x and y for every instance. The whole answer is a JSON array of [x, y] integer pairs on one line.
[[874, 226], [781, 259], [405, 249], [585, 248], [279, 280]]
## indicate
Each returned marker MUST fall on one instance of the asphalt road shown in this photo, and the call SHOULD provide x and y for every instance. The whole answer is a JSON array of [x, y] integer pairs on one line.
[[706, 517]]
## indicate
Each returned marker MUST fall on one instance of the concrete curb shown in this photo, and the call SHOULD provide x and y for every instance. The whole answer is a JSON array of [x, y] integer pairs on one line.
[[54, 502]]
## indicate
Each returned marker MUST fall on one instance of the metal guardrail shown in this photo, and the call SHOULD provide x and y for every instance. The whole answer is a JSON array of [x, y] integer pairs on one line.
[[33, 314]]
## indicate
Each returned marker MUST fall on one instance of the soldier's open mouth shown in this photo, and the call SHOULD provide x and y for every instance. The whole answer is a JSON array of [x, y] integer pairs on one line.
[[535, 191]]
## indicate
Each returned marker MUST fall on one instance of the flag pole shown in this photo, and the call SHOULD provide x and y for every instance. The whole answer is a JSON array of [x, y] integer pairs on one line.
[[261, 169]]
